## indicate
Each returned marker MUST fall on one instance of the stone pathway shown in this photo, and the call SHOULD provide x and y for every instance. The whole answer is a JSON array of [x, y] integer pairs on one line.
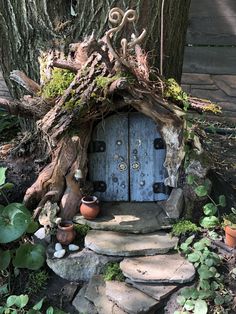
[[125, 244], [168, 268], [127, 234], [128, 217]]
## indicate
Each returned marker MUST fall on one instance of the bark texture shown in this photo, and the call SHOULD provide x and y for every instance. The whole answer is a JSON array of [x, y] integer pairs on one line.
[[26, 27]]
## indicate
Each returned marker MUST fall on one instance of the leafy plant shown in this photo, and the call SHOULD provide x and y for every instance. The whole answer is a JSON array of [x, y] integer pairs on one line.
[[210, 220], [16, 304], [210, 288], [184, 226], [112, 271], [15, 221]]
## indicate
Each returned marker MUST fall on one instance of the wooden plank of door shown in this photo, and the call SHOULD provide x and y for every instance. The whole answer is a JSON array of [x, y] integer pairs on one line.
[[146, 163], [111, 166]]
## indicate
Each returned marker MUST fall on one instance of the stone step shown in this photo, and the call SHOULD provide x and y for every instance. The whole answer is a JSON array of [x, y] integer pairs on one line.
[[113, 297], [130, 299], [156, 291], [124, 244], [169, 268], [129, 217]]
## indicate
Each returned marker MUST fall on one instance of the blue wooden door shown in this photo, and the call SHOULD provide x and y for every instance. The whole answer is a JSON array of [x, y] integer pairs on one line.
[[126, 159], [108, 159], [147, 156]]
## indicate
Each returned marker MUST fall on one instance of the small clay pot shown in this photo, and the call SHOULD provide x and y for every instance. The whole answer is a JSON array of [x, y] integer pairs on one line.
[[89, 207], [230, 236], [65, 233]]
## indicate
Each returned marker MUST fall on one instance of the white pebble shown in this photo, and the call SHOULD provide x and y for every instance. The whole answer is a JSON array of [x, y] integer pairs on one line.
[[59, 254], [73, 247], [58, 247]]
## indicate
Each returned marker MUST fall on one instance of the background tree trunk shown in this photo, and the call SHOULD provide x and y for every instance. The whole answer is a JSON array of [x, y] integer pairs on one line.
[[26, 27]]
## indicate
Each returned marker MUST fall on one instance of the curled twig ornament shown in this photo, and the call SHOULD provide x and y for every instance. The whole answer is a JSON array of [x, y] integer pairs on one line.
[[119, 19]]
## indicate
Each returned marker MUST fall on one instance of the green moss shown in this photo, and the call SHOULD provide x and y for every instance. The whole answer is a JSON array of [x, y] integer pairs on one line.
[[82, 230], [103, 81], [112, 271], [183, 227], [36, 282], [59, 82]]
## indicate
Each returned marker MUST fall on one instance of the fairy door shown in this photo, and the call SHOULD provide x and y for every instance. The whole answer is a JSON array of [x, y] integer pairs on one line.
[[126, 159]]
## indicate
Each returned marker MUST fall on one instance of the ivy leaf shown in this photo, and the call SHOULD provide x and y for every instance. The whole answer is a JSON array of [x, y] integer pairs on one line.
[[32, 227], [201, 191], [222, 201], [194, 257], [204, 284], [200, 307], [29, 256], [219, 300], [2, 175], [209, 222], [189, 305], [209, 209], [181, 300], [5, 258], [189, 240], [204, 272]]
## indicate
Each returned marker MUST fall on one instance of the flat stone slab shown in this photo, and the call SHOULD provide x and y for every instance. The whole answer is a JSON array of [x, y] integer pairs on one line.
[[80, 266], [156, 291], [124, 244], [129, 299], [169, 268], [96, 293], [129, 217], [82, 304]]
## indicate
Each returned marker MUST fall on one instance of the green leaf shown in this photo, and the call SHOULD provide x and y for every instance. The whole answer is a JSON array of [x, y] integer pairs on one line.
[[219, 300], [189, 305], [201, 191], [205, 294], [4, 289], [204, 284], [209, 209], [50, 310], [190, 179], [209, 222], [29, 256], [189, 240], [5, 258], [214, 285], [14, 220], [204, 272], [222, 201], [209, 262], [2, 175], [200, 307], [193, 257], [181, 300], [39, 305], [32, 227]]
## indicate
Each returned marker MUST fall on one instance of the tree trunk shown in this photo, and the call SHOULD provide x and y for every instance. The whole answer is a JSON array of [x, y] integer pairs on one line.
[[26, 27]]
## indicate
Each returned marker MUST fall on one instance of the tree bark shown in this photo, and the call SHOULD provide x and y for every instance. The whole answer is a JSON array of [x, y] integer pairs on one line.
[[26, 27]]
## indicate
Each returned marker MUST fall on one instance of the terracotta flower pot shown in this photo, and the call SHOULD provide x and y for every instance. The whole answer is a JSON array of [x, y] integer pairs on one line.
[[65, 233], [89, 207], [230, 236]]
